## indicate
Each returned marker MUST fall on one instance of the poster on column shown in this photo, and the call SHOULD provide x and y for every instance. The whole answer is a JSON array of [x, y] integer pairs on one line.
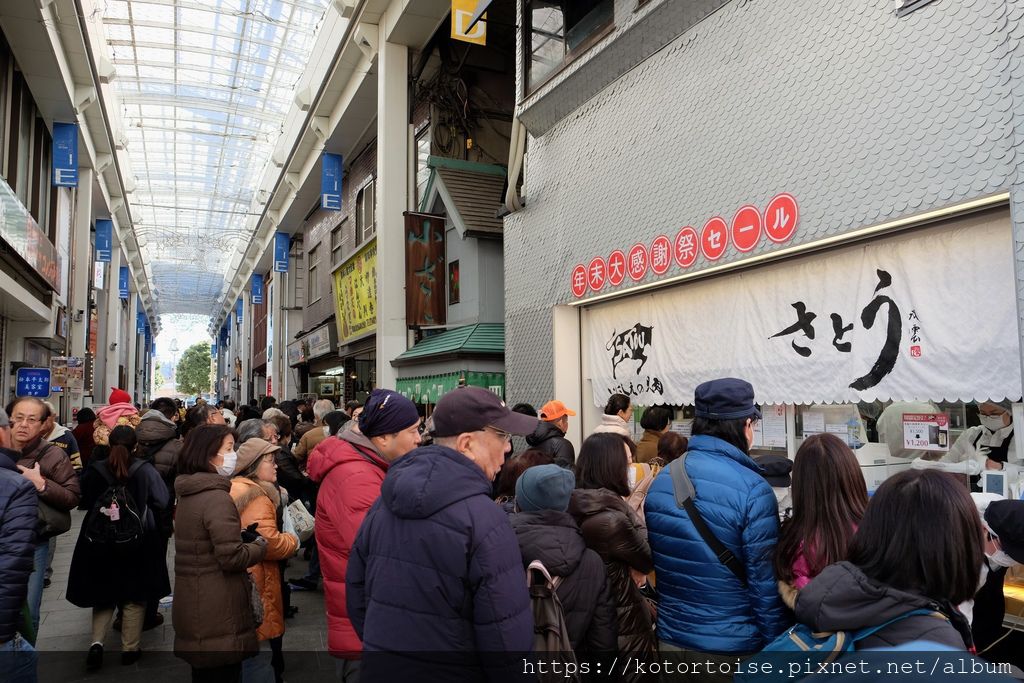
[[876, 321]]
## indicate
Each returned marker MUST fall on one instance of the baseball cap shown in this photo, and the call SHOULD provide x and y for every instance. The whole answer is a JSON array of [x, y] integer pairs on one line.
[[1006, 519], [468, 409], [727, 398], [776, 469], [553, 410]]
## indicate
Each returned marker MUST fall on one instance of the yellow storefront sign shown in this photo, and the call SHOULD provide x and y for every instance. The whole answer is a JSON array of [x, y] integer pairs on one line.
[[462, 16], [355, 294]]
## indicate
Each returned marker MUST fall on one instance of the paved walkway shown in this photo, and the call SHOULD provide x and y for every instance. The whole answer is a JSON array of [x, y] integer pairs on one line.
[[65, 634]]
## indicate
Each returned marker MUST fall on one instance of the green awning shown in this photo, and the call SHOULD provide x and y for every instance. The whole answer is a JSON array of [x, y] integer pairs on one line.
[[430, 389], [483, 340]]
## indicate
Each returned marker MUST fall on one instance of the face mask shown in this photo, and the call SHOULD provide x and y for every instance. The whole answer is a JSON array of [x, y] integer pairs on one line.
[[228, 466], [1002, 559], [993, 423]]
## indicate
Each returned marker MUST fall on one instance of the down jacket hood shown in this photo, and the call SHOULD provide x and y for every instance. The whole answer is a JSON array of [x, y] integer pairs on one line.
[[151, 430], [191, 484], [550, 536], [843, 598], [543, 432], [326, 456], [429, 479], [156, 415]]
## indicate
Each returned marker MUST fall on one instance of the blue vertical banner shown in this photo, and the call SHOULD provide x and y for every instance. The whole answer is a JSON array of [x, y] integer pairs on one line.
[[140, 323], [213, 349], [330, 181], [150, 345], [122, 282], [104, 239], [238, 311], [65, 155], [257, 289], [282, 242]]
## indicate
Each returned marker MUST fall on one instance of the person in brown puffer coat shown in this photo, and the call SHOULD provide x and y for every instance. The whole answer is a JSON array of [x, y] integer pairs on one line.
[[615, 532], [258, 502], [214, 627]]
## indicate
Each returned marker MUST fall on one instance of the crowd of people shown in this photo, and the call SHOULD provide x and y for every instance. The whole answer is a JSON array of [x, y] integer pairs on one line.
[[436, 538]]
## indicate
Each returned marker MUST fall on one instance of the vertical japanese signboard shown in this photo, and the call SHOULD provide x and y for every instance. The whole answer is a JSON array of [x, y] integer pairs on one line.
[[104, 239], [330, 181], [140, 323], [238, 311], [122, 282], [355, 294], [65, 155], [282, 242], [257, 289], [424, 270]]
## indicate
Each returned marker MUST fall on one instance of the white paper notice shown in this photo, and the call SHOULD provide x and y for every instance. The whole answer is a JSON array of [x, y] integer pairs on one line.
[[683, 428], [773, 426], [814, 423]]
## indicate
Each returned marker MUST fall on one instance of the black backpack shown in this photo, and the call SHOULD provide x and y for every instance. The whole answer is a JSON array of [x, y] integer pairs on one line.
[[115, 517], [550, 634]]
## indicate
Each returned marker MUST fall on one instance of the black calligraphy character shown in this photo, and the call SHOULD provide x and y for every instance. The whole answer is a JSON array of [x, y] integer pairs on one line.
[[893, 334], [802, 324], [840, 332], [913, 315], [914, 337], [657, 386]]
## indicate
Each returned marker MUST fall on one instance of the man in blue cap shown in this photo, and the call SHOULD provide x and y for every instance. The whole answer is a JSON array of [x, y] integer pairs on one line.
[[350, 469], [722, 601]]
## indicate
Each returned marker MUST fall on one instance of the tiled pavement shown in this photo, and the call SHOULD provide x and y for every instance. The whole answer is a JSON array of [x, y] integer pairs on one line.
[[65, 634]]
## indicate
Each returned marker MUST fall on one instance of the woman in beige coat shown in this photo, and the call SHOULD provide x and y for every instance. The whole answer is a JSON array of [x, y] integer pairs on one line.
[[214, 628]]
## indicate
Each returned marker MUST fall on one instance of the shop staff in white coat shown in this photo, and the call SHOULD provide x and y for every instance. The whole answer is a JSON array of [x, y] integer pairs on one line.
[[990, 443]]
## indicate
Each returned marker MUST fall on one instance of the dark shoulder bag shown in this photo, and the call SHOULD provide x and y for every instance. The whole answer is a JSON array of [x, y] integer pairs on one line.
[[685, 493]]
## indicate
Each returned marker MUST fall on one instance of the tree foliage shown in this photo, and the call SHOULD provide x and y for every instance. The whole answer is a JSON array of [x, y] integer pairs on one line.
[[193, 373], [158, 376]]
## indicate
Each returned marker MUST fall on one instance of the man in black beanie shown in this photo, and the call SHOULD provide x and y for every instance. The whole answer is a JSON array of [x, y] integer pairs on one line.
[[350, 469]]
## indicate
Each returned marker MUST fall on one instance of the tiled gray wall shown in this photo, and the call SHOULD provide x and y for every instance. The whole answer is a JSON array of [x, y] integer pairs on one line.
[[863, 116]]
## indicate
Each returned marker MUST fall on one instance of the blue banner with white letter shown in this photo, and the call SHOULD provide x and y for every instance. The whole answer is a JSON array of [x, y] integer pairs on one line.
[[122, 282], [257, 289], [65, 155], [213, 350], [238, 311], [104, 239], [282, 241], [140, 323], [330, 181]]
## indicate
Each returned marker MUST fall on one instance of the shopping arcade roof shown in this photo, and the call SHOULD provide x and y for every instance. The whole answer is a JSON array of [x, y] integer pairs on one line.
[[203, 89]]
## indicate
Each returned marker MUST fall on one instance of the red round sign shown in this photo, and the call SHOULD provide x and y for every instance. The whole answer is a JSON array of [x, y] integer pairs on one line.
[[579, 280], [616, 268], [636, 262], [746, 228], [781, 217], [714, 239], [596, 274], [660, 254], [686, 247]]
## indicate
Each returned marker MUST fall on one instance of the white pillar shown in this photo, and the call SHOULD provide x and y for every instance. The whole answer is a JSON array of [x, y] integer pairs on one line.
[[113, 324], [392, 164], [81, 267]]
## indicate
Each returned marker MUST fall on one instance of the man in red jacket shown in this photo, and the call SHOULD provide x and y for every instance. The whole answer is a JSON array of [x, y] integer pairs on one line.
[[350, 469]]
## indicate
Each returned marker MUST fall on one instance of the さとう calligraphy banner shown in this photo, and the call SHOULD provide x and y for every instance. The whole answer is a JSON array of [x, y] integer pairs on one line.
[[930, 314]]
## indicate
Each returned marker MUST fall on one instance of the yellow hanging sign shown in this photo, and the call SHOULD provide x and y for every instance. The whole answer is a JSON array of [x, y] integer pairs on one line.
[[463, 12], [355, 294]]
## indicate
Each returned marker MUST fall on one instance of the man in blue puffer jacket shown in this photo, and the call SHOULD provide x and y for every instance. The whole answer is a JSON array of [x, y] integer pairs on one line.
[[704, 608], [18, 505], [435, 586]]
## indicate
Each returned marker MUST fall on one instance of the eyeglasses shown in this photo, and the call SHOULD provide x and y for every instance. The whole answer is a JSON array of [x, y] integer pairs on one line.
[[26, 419], [504, 436]]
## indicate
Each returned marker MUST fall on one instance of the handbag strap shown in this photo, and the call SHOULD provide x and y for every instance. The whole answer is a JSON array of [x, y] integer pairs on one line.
[[685, 493]]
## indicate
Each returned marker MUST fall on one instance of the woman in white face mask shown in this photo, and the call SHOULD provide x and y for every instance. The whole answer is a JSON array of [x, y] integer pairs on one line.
[[214, 626], [1004, 548], [991, 442]]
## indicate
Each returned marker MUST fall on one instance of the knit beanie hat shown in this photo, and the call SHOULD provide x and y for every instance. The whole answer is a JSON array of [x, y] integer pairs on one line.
[[387, 412], [544, 487], [119, 396]]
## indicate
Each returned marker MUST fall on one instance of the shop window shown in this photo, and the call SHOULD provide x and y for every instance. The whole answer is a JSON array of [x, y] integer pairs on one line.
[[314, 273], [366, 226], [422, 170], [908, 6], [20, 148], [558, 32], [338, 241]]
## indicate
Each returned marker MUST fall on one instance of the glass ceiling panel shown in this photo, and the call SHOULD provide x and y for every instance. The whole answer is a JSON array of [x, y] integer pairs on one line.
[[204, 87]]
